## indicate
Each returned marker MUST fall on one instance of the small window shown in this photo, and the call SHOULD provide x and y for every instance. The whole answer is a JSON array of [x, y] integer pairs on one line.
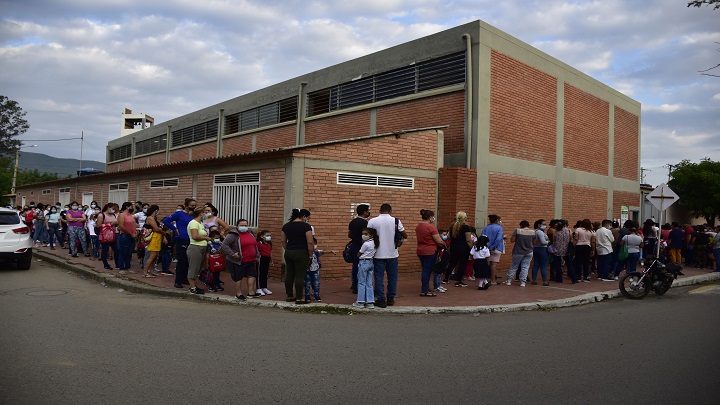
[[164, 183], [358, 179], [65, 190], [118, 186], [46, 192]]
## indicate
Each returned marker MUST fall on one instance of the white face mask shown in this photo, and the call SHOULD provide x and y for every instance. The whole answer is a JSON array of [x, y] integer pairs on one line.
[[216, 240], [268, 238], [111, 210], [366, 237], [75, 207], [242, 229], [206, 216]]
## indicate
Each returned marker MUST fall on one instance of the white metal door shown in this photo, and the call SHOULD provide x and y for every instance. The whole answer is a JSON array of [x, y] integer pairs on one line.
[[237, 196], [87, 198]]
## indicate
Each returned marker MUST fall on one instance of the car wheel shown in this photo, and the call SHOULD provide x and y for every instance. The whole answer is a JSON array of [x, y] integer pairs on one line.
[[24, 264]]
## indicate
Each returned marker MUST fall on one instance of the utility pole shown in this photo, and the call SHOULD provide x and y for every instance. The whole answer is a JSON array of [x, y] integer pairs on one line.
[[82, 135], [642, 174], [670, 168]]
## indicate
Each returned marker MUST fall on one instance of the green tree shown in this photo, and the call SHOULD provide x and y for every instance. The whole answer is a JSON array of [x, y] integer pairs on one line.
[[12, 125], [698, 186], [24, 176], [700, 3]]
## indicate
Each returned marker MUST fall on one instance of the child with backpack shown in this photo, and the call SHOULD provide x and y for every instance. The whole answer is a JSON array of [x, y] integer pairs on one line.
[[480, 253], [215, 261], [312, 275], [264, 244]]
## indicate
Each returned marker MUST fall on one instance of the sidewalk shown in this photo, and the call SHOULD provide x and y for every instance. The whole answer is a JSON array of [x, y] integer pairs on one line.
[[336, 294]]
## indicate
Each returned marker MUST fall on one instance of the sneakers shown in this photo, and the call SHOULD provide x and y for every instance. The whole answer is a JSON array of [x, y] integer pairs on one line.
[[196, 290], [522, 284], [259, 291], [507, 282], [256, 295], [268, 292], [460, 284], [586, 280], [241, 298], [370, 306], [440, 289], [358, 304], [606, 279]]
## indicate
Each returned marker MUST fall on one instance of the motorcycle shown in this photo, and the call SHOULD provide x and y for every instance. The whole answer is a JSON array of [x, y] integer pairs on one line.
[[656, 276]]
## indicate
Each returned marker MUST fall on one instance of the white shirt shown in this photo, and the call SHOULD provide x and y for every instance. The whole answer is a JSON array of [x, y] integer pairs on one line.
[[384, 224], [367, 250], [91, 226], [604, 240], [479, 254]]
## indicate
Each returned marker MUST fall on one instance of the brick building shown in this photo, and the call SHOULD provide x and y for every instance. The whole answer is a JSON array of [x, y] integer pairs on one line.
[[467, 119]]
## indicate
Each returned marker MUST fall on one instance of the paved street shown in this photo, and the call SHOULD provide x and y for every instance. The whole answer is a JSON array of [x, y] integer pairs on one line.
[[69, 340]]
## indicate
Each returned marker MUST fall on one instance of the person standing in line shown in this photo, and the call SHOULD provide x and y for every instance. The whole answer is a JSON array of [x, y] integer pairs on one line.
[[460, 244], [264, 245], [634, 244], [196, 250], [494, 232], [699, 241], [242, 262], [428, 244], [562, 238], [355, 229], [53, 227], [522, 253], [127, 236], [386, 256], [153, 248], [540, 253], [297, 240], [76, 221], [584, 240], [604, 249], [366, 297], [40, 226], [178, 222], [141, 213]]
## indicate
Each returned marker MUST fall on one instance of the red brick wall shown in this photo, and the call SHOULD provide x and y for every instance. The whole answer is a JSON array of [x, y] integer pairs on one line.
[[237, 144], [341, 126], [180, 155], [116, 167], [587, 126], [621, 198], [167, 197], [580, 202], [456, 193], [205, 150], [157, 159], [271, 215], [275, 138], [444, 109], [523, 111], [418, 151], [626, 145], [330, 205]]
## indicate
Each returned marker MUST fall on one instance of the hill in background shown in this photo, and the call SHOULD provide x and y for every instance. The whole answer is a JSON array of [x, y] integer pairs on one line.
[[48, 164]]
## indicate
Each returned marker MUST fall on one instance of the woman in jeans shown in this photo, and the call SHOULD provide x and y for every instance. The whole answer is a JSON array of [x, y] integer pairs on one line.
[[107, 216], [40, 226], [54, 228], [540, 253], [126, 237], [428, 243], [584, 240], [634, 244], [296, 237], [76, 228], [562, 238]]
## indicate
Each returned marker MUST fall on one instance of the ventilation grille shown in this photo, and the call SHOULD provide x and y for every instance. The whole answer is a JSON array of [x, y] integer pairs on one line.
[[270, 114], [164, 183], [432, 74], [119, 153], [375, 180], [151, 145], [195, 133], [237, 178]]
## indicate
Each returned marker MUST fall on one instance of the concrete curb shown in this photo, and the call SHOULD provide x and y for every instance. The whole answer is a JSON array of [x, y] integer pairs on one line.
[[138, 287]]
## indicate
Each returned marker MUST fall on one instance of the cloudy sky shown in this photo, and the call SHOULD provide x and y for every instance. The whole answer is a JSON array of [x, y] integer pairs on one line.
[[73, 65]]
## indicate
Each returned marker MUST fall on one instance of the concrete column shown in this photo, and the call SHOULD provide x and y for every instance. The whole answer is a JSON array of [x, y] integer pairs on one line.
[[300, 124], [221, 131], [168, 137], [481, 132], [611, 161], [132, 153], [294, 196], [559, 147]]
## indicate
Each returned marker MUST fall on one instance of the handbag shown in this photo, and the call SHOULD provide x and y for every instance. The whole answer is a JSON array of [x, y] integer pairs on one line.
[[623, 253], [107, 233]]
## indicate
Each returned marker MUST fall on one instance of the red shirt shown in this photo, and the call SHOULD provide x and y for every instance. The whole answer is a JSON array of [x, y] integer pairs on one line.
[[425, 243], [264, 248], [248, 244]]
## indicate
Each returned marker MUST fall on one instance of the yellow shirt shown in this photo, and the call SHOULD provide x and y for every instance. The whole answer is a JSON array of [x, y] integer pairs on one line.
[[201, 232]]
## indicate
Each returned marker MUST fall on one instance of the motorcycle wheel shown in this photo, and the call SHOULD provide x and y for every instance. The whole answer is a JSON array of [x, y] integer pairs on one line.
[[631, 286], [663, 288]]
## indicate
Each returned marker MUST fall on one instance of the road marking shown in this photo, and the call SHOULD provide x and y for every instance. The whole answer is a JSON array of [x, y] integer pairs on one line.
[[704, 289]]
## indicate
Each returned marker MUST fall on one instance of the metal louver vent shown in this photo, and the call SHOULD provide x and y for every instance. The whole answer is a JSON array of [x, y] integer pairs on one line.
[[375, 180], [164, 183], [237, 178]]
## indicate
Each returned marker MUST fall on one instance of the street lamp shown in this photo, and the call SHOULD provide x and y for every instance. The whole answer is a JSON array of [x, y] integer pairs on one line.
[[17, 159]]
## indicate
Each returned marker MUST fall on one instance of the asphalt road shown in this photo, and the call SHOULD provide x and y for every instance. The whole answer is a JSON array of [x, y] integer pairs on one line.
[[66, 340]]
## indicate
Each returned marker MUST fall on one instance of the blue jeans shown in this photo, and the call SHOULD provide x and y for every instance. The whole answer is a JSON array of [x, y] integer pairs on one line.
[[521, 263], [312, 282], [40, 234], [55, 234], [540, 255], [365, 281], [95, 243], [604, 265], [426, 262], [380, 267], [632, 262], [126, 243], [104, 250], [166, 259]]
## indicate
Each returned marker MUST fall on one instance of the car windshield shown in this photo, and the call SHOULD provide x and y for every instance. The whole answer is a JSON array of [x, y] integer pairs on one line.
[[9, 218]]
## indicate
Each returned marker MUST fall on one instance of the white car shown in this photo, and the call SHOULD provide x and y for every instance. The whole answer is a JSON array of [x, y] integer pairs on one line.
[[15, 239]]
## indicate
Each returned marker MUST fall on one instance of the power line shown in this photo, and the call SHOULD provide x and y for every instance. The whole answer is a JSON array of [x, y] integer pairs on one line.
[[49, 140]]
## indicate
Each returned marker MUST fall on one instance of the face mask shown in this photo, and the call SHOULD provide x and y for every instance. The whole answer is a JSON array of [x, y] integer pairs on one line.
[[111, 210], [57, 206], [366, 237], [216, 240], [93, 205], [96, 211], [242, 229], [432, 220], [53, 210], [75, 207], [206, 216], [499, 222], [144, 211], [268, 238], [178, 210], [543, 227], [444, 237]]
